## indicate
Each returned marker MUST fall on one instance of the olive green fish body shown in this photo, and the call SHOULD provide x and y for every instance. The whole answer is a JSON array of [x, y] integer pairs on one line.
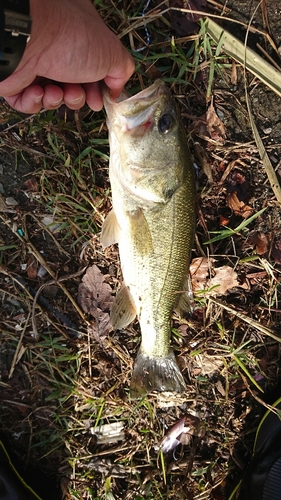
[[153, 222]]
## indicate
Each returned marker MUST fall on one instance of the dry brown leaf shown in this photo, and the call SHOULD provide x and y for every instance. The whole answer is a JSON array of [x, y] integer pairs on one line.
[[152, 71], [225, 277], [207, 364], [260, 241], [276, 252], [215, 126], [224, 221], [100, 328], [94, 296], [32, 267], [31, 184], [238, 207], [94, 293], [200, 269]]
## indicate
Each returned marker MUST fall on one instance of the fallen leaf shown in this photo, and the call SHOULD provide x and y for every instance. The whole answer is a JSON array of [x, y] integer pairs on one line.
[[237, 183], [94, 293], [207, 364], [260, 241], [224, 279], [32, 267], [185, 23], [100, 328], [238, 207], [224, 221], [276, 251], [94, 296], [215, 126], [152, 71], [200, 269], [31, 184]]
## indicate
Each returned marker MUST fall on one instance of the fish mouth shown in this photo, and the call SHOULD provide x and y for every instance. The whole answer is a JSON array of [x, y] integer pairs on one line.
[[135, 114], [129, 106], [150, 93]]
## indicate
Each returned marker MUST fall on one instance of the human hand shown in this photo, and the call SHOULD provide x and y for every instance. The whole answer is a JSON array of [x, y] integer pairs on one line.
[[69, 53]]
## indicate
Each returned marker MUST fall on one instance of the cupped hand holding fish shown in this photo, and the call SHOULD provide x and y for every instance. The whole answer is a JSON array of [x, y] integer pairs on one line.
[[70, 52], [152, 220]]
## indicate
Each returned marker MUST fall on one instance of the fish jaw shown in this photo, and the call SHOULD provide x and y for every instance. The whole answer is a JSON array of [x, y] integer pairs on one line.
[[160, 374]]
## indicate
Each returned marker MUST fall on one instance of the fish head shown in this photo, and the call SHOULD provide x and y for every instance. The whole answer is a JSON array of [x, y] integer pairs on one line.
[[147, 144]]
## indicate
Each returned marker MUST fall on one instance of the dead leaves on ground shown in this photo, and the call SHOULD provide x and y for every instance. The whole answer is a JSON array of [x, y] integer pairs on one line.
[[265, 244], [237, 206], [95, 298], [209, 126], [212, 280], [184, 23]]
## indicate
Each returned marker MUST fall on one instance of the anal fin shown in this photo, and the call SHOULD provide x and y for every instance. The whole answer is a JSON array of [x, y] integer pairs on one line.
[[123, 310]]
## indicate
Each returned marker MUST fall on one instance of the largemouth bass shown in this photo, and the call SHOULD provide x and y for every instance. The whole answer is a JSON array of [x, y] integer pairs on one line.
[[153, 221]]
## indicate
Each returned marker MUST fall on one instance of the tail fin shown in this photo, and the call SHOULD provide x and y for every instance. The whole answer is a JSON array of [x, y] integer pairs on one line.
[[156, 374]]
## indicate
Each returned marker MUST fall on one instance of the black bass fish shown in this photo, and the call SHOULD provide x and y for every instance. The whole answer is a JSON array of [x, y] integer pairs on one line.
[[153, 222]]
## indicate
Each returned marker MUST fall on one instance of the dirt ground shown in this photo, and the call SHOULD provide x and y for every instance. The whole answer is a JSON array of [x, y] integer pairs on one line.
[[59, 379]]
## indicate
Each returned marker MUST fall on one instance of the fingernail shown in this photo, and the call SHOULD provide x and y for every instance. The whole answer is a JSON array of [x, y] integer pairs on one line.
[[38, 98], [78, 99], [57, 103]]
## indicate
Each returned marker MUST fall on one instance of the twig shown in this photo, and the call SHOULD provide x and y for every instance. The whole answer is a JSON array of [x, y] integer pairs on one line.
[[250, 321], [16, 357], [57, 313]]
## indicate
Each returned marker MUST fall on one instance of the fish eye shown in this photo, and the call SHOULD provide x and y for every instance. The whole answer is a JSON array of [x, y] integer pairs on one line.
[[166, 123]]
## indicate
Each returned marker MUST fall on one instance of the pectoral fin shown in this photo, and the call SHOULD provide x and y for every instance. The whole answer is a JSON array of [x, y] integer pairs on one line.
[[140, 234], [110, 230], [123, 311]]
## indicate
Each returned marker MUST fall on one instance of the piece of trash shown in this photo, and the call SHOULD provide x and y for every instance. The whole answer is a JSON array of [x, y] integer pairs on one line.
[[11, 202], [180, 433], [42, 272], [107, 433], [50, 224]]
